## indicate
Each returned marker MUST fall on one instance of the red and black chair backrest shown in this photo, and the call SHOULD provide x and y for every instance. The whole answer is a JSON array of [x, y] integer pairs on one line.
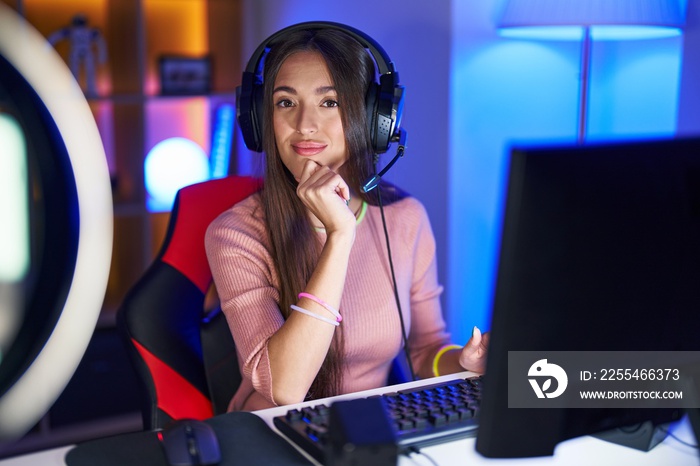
[[162, 315]]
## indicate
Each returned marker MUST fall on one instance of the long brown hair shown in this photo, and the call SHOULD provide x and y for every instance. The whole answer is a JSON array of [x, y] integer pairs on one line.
[[295, 244]]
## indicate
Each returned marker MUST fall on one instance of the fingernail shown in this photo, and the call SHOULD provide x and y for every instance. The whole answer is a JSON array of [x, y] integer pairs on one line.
[[475, 330], [347, 202]]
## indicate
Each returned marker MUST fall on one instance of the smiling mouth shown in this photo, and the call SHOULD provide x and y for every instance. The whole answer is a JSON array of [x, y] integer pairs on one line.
[[307, 149]]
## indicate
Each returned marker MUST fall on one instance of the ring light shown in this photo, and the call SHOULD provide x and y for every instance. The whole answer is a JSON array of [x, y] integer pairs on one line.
[[37, 387]]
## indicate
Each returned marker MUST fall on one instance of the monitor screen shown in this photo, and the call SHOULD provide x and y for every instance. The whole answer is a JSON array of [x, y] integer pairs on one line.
[[600, 251]]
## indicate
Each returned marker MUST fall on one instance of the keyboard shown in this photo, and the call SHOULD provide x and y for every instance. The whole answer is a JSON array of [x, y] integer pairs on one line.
[[421, 416]]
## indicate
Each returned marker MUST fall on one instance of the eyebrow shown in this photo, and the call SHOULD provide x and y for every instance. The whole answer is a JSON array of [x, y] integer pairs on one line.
[[291, 90]]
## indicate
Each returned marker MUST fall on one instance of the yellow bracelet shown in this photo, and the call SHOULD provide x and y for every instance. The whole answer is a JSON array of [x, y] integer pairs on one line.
[[439, 354]]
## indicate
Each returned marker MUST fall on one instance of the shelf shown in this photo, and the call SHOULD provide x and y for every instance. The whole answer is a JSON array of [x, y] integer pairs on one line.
[[141, 99], [131, 114]]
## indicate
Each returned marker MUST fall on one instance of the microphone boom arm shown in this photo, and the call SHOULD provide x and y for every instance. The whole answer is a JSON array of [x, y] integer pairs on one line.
[[374, 181]]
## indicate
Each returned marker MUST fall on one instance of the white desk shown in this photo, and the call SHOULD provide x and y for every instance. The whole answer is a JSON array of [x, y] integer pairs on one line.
[[575, 452]]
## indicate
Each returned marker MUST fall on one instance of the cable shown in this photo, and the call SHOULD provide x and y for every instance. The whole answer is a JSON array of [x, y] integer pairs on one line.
[[678, 439], [416, 451], [396, 291]]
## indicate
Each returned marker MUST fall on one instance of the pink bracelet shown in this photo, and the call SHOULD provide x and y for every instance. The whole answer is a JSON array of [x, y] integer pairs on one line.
[[330, 308]]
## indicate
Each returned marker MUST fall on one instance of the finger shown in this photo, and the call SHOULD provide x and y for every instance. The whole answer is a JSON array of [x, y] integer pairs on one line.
[[476, 346], [476, 338], [343, 191], [339, 186], [320, 177], [324, 179], [485, 340], [309, 168]]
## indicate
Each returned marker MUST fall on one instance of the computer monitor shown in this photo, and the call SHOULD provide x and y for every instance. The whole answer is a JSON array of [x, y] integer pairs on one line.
[[55, 226], [600, 251]]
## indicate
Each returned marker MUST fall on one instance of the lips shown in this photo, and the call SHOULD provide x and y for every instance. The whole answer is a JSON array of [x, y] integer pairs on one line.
[[308, 148]]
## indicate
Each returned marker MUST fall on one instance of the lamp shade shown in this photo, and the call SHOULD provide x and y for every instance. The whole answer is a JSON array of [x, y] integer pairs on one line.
[[618, 19]]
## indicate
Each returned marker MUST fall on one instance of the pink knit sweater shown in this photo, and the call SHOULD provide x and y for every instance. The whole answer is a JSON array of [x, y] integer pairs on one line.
[[247, 283]]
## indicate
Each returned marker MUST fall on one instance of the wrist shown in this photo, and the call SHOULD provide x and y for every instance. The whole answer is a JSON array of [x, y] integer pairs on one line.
[[341, 237], [440, 356]]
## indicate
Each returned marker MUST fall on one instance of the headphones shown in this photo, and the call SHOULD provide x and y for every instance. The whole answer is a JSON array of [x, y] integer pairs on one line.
[[384, 100]]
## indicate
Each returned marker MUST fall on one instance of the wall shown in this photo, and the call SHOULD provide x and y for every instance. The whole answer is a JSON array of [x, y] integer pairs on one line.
[[688, 114]]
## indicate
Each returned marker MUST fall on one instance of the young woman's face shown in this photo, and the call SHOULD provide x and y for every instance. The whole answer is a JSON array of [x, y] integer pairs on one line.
[[306, 116]]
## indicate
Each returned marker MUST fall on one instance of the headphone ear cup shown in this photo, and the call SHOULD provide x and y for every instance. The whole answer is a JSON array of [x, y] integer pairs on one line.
[[384, 108], [249, 111], [256, 116], [371, 100]]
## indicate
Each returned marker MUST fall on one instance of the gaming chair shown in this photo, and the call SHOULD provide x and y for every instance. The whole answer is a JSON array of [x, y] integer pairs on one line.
[[186, 360]]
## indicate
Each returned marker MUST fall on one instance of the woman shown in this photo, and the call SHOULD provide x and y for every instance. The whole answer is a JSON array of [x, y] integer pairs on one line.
[[302, 267]]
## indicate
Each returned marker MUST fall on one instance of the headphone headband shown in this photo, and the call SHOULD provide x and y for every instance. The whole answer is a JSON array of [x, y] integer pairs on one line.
[[384, 100], [385, 65]]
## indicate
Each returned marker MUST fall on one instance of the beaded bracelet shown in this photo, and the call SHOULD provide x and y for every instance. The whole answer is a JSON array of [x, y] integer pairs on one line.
[[330, 308], [309, 313], [439, 354]]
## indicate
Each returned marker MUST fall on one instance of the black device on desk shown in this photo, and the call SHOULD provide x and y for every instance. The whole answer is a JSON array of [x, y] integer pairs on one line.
[[600, 252], [188, 442]]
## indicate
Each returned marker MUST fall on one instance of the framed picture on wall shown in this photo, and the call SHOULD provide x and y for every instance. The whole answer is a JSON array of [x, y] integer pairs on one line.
[[184, 75]]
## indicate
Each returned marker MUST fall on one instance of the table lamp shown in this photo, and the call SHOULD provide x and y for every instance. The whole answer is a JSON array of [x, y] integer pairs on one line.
[[589, 20]]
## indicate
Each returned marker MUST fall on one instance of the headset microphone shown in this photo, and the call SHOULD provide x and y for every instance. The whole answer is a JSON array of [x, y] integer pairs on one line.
[[372, 183]]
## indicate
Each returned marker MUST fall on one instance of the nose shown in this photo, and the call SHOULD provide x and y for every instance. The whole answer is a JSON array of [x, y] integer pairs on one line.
[[307, 120]]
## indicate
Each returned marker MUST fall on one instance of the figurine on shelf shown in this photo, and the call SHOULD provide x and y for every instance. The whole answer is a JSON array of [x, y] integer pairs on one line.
[[82, 39]]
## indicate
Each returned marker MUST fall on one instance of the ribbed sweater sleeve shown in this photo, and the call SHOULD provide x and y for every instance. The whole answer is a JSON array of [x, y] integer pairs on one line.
[[246, 282]]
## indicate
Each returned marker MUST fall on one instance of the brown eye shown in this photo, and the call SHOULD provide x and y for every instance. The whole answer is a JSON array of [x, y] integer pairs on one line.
[[284, 103]]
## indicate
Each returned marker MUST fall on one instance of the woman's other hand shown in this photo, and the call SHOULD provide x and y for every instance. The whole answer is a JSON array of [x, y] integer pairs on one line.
[[473, 356]]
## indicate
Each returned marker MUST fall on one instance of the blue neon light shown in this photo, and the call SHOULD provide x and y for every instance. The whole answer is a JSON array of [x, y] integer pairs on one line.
[[597, 32], [221, 140]]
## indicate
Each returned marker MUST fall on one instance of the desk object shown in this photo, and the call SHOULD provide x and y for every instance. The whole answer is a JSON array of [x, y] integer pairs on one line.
[[190, 442], [360, 434]]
